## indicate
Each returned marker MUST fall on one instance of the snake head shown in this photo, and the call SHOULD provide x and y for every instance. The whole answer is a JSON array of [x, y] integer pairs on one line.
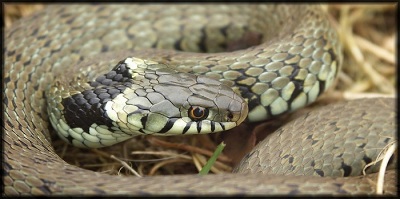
[[142, 97], [174, 103]]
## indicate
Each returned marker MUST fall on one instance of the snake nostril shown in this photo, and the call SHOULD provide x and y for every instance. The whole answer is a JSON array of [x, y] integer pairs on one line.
[[230, 116]]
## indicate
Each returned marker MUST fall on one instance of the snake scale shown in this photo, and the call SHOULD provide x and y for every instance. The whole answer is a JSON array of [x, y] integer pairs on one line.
[[295, 58]]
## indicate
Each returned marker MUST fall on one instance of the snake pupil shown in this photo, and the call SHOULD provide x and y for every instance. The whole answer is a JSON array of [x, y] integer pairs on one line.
[[197, 113]]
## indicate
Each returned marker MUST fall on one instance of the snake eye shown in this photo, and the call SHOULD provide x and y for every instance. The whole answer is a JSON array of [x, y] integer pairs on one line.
[[197, 113]]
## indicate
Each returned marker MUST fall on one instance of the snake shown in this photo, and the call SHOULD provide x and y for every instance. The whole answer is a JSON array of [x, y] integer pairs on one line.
[[100, 74]]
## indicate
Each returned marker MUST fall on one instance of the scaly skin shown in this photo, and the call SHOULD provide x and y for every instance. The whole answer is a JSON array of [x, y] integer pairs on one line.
[[304, 55]]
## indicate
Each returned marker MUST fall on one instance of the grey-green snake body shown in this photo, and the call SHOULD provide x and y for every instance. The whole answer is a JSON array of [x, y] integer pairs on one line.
[[287, 71]]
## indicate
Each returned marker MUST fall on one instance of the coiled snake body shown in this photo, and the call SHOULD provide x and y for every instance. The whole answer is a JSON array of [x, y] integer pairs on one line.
[[297, 60]]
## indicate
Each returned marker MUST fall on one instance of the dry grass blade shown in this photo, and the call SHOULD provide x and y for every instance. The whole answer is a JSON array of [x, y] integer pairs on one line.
[[351, 95], [159, 142], [160, 153], [126, 166], [369, 63], [373, 48], [165, 162], [381, 155], [386, 157]]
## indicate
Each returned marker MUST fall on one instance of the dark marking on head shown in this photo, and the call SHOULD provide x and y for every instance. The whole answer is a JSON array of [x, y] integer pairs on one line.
[[85, 108], [212, 126], [186, 127], [199, 126], [79, 113], [118, 75], [222, 126], [168, 126], [143, 120]]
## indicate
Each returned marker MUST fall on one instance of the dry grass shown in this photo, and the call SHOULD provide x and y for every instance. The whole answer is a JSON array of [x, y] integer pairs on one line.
[[368, 35]]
